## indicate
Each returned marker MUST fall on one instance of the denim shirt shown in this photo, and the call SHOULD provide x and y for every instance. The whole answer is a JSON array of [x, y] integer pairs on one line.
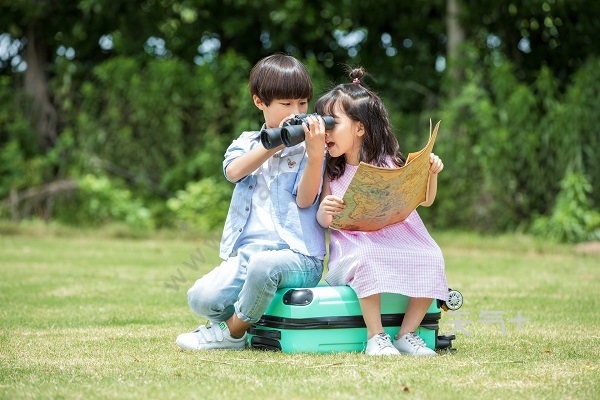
[[297, 227]]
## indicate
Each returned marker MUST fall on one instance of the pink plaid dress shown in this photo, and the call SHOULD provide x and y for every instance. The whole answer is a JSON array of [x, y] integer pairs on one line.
[[401, 258]]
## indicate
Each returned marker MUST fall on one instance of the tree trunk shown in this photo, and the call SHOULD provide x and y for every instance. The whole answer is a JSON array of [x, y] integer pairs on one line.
[[43, 114], [456, 39]]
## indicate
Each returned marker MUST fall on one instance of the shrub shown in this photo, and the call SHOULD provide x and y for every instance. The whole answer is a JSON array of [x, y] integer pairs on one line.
[[202, 205], [572, 220], [100, 201]]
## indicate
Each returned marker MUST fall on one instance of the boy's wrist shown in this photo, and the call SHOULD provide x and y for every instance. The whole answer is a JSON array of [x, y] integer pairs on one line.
[[315, 157]]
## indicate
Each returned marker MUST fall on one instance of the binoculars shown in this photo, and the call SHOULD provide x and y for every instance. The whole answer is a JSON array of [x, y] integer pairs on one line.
[[291, 133]]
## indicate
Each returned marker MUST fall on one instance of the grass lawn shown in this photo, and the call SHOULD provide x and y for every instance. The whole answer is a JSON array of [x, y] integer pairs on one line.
[[95, 317]]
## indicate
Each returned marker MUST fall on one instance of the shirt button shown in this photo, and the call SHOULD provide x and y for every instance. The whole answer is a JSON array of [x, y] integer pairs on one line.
[[240, 229], [250, 187], [247, 209]]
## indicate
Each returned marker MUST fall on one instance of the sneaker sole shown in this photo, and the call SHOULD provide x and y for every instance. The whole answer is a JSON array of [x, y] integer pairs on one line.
[[209, 346]]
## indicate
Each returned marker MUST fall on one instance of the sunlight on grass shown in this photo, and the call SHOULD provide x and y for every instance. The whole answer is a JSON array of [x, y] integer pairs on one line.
[[96, 317]]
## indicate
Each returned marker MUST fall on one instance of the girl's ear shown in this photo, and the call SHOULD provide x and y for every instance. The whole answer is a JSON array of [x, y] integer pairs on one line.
[[360, 129], [258, 102]]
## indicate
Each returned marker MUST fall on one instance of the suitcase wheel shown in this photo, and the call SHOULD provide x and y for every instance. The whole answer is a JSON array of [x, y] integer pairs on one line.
[[444, 342], [267, 344], [455, 301]]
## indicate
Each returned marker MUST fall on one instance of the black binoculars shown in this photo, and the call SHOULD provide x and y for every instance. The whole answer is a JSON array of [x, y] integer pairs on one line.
[[291, 133]]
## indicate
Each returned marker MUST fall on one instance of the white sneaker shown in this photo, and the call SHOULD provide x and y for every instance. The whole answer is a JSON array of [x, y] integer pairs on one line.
[[211, 337], [380, 345], [411, 343]]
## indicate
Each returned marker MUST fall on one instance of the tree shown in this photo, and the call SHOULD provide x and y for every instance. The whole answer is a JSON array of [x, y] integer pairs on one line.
[[533, 33], [150, 92]]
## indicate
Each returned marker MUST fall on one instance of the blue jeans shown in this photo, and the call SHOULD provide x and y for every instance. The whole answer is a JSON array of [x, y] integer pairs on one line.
[[246, 283]]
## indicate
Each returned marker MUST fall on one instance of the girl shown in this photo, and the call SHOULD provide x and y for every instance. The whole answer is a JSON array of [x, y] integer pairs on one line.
[[400, 258]]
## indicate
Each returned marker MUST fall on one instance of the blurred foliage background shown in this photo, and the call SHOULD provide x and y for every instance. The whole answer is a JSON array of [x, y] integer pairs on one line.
[[122, 111]]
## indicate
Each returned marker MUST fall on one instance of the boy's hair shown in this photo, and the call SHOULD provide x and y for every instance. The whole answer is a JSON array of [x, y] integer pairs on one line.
[[363, 105], [280, 76]]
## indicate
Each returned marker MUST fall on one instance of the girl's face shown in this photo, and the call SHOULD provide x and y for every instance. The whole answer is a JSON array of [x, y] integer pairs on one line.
[[345, 138], [279, 109]]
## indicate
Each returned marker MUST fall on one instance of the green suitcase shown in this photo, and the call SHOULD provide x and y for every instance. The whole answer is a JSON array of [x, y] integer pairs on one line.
[[328, 319]]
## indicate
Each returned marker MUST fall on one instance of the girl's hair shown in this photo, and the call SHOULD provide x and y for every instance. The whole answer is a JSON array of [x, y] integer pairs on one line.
[[363, 105], [280, 76]]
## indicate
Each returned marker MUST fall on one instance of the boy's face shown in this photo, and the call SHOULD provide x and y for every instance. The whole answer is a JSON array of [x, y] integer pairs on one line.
[[280, 109]]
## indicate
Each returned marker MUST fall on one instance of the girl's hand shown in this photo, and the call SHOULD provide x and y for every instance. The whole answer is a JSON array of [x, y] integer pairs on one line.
[[436, 165], [331, 205], [314, 136]]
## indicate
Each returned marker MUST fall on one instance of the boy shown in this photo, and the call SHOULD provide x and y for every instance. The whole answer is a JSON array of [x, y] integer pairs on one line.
[[271, 237]]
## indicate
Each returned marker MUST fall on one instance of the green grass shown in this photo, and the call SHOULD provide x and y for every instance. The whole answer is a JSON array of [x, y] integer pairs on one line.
[[94, 317]]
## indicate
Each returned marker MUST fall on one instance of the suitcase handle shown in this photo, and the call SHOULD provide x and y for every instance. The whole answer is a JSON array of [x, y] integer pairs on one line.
[[298, 297]]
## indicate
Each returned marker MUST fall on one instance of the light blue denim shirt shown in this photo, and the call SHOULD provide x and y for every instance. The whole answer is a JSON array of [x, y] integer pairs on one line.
[[298, 227]]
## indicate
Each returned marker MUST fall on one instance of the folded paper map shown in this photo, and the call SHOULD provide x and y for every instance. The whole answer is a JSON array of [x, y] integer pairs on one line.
[[378, 197]]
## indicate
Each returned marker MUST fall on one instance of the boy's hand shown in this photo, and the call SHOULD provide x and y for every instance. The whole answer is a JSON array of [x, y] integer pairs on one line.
[[436, 165], [286, 119], [332, 205], [314, 136]]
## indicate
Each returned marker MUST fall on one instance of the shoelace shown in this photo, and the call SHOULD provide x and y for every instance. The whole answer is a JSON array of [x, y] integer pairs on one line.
[[383, 341], [415, 340]]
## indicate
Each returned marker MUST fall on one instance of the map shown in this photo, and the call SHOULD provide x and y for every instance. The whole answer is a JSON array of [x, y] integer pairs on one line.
[[378, 197]]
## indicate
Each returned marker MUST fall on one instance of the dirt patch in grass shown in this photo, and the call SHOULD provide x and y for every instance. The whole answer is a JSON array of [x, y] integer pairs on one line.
[[588, 247]]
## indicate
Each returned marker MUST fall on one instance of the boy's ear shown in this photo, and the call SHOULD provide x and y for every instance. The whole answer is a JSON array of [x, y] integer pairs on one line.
[[258, 102]]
